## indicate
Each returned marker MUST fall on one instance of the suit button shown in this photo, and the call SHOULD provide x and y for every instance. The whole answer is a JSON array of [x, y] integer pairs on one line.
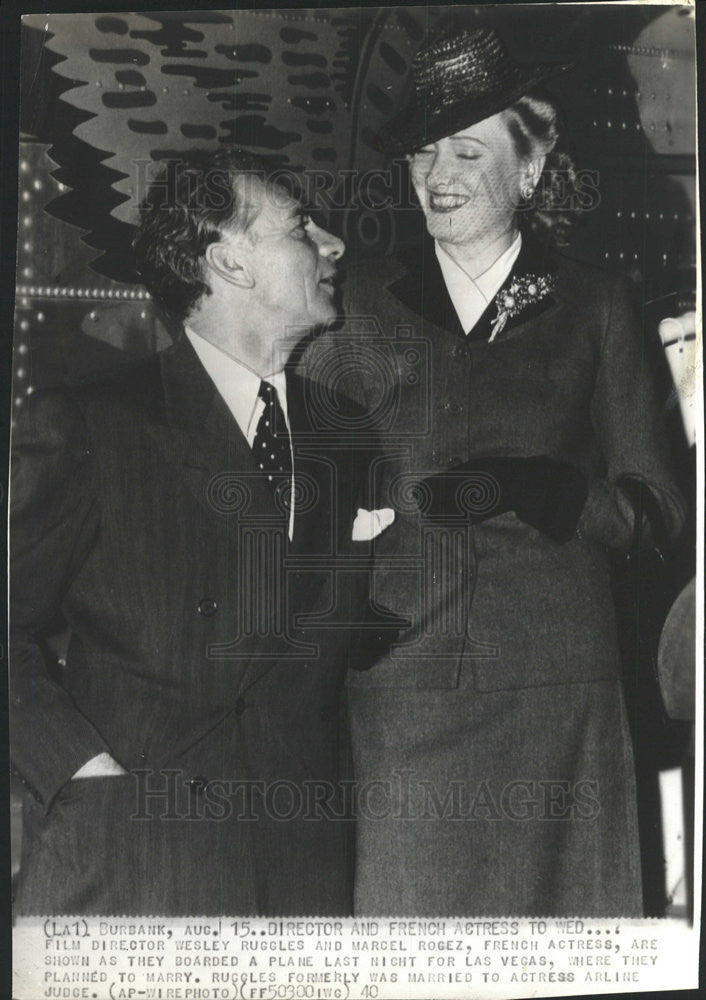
[[453, 461], [197, 786], [207, 607], [455, 408], [240, 706]]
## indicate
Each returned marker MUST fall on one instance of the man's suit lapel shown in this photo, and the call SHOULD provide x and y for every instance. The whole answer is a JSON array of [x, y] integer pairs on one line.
[[314, 523], [202, 437]]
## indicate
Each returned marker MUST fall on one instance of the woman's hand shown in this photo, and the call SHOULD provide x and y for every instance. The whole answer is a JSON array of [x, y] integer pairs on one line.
[[549, 495], [543, 492]]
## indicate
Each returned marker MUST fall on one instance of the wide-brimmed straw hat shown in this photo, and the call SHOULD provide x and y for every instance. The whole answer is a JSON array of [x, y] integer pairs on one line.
[[460, 79]]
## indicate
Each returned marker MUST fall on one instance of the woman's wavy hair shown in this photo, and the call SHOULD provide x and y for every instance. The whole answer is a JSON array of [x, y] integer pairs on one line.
[[555, 205], [188, 204]]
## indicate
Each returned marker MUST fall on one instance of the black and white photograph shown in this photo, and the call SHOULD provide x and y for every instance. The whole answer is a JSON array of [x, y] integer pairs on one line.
[[355, 638]]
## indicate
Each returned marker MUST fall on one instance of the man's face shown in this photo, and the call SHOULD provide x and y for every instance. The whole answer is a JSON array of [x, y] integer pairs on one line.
[[292, 263], [468, 184]]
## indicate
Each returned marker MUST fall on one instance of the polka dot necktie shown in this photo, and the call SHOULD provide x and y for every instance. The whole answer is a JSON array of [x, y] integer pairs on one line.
[[271, 448]]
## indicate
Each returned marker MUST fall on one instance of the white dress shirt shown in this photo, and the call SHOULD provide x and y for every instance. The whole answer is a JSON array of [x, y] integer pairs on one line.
[[471, 296], [239, 386]]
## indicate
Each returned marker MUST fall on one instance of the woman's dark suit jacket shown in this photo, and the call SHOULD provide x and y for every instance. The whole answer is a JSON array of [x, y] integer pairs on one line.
[[504, 695]]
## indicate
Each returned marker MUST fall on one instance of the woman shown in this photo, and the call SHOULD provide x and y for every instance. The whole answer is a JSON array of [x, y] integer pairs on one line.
[[491, 748]]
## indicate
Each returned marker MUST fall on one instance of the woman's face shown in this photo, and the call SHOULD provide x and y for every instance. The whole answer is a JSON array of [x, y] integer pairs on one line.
[[469, 183]]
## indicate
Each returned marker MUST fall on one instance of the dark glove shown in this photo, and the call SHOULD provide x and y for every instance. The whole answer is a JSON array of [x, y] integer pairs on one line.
[[547, 494], [474, 491], [550, 496]]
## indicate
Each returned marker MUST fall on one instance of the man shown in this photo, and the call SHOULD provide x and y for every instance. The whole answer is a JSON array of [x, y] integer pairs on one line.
[[187, 526]]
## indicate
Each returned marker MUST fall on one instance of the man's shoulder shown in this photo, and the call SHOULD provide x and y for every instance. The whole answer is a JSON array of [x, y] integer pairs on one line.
[[74, 412], [131, 384], [373, 274], [134, 390], [327, 405]]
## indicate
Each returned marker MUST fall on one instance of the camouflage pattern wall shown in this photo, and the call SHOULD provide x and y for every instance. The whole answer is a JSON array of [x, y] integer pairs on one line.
[[105, 95]]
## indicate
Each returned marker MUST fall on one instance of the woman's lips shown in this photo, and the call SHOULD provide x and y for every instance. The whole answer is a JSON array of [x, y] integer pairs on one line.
[[446, 202]]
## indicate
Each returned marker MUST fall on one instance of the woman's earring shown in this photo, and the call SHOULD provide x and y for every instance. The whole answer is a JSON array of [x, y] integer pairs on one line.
[[526, 190]]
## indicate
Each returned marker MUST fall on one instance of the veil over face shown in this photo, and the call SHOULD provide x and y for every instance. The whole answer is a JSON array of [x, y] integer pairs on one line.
[[469, 184]]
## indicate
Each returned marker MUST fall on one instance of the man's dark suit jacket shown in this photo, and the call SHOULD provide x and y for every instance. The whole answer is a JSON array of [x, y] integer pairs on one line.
[[142, 522]]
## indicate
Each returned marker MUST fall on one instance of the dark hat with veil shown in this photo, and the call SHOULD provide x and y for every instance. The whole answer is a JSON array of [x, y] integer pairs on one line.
[[458, 80]]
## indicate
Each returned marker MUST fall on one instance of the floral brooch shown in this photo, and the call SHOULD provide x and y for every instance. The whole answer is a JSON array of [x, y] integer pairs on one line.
[[523, 291]]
